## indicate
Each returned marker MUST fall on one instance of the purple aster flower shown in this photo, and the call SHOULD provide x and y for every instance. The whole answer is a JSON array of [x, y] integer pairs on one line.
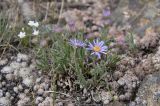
[[77, 43], [97, 48], [106, 12]]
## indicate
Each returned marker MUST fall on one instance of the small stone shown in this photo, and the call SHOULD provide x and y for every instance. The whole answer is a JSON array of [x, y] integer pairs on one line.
[[28, 81], [24, 64], [70, 104], [9, 77], [26, 91], [8, 95], [3, 62], [11, 98], [40, 91], [5, 101], [20, 88], [1, 93], [42, 85], [7, 70], [106, 97], [118, 74], [46, 87], [15, 89], [122, 97], [144, 103], [22, 57], [60, 104], [38, 100], [15, 65], [3, 83], [24, 73], [132, 104], [22, 95], [38, 80], [84, 91], [88, 100], [121, 82], [128, 96], [35, 88]]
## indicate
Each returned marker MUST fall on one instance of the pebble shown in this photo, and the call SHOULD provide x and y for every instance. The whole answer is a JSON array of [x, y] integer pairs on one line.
[[121, 82], [10, 77], [35, 88], [106, 97], [38, 80], [22, 95], [1, 93], [7, 70], [132, 104], [20, 88], [60, 104], [15, 89], [88, 100], [38, 100], [3, 62], [3, 83], [23, 64], [5, 101], [22, 57], [40, 91], [28, 81], [8, 95], [26, 91], [122, 97]]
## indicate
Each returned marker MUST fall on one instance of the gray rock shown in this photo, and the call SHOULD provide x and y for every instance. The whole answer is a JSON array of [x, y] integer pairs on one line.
[[148, 93], [106, 97], [3, 62], [38, 80], [1, 93], [9, 77], [7, 70], [8, 95], [20, 88], [26, 91], [5, 101], [40, 91], [28, 81], [38, 100], [15, 89], [3, 83], [22, 57]]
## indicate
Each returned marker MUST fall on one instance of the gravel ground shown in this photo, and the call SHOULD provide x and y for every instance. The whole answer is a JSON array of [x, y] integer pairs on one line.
[[21, 83]]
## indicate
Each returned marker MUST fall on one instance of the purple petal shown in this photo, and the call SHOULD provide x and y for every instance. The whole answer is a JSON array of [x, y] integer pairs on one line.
[[106, 12], [98, 54]]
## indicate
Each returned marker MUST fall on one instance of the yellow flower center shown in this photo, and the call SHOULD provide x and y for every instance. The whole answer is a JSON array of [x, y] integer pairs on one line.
[[96, 48]]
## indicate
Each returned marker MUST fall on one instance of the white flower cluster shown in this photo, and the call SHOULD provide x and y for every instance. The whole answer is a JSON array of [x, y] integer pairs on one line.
[[34, 25]]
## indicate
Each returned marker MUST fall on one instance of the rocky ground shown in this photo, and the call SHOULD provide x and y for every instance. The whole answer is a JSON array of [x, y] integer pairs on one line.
[[135, 82]]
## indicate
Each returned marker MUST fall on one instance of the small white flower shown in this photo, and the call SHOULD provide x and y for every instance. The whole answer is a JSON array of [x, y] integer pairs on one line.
[[22, 34], [33, 24], [35, 32]]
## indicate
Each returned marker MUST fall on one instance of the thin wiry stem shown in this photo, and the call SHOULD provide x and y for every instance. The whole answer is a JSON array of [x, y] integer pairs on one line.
[[61, 10]]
